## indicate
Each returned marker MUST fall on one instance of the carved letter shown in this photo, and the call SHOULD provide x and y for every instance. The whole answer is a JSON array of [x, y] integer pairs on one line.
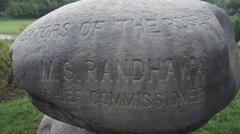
[[154, 67], [171, 71], [94, 97], [68, 72], [147, 100], [65, 30], [85, 28], [138, 69], [47, 71], [115, 99], [90, 66]]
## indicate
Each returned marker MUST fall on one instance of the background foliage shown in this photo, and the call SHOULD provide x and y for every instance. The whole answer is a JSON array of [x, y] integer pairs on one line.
[[29, 8], [38, 8], [233, 9], [14, 26], [19, 117], [9, 87]]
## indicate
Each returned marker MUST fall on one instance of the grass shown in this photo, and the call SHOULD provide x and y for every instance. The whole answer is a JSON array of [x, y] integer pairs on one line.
[[13, 26], [19, 117], [9, 87], [225, 122]]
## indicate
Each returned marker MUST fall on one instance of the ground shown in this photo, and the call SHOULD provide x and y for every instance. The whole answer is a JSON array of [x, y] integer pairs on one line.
[[19, 117], [225, 122], [13, 26]]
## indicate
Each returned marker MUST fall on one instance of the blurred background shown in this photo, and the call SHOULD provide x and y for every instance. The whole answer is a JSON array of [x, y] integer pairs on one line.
[[19, 116]]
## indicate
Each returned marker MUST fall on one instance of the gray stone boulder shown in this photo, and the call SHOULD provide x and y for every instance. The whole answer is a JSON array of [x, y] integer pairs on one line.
[[51, 126], [121, 66]]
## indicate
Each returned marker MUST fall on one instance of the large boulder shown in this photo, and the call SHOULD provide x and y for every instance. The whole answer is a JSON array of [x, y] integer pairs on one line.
[[127, 66]]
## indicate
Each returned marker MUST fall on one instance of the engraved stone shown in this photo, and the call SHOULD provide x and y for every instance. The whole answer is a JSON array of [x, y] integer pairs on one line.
[[49, 125], [117, 66]]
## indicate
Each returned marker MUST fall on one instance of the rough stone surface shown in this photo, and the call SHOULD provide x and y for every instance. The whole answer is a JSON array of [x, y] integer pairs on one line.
[[121, 66], [52, 126]]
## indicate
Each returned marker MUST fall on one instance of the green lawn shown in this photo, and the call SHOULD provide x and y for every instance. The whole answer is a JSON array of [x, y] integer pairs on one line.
[[13, 26], [225, 122], [20, 117]]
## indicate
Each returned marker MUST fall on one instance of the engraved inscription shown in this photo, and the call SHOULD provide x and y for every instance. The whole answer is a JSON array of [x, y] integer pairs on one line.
[[125, 26], [166, 70], [138, 27], [43, 32], [163, 100], [187, 70], [160, 100]]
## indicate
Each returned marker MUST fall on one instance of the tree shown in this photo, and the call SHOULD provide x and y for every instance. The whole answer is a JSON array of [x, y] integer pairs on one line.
[[3, 5], [68, 1], [210, 1], [236, 25], [233, 6]]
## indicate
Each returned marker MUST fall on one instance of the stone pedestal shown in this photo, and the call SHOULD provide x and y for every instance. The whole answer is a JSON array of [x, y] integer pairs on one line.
[[49, 125]]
